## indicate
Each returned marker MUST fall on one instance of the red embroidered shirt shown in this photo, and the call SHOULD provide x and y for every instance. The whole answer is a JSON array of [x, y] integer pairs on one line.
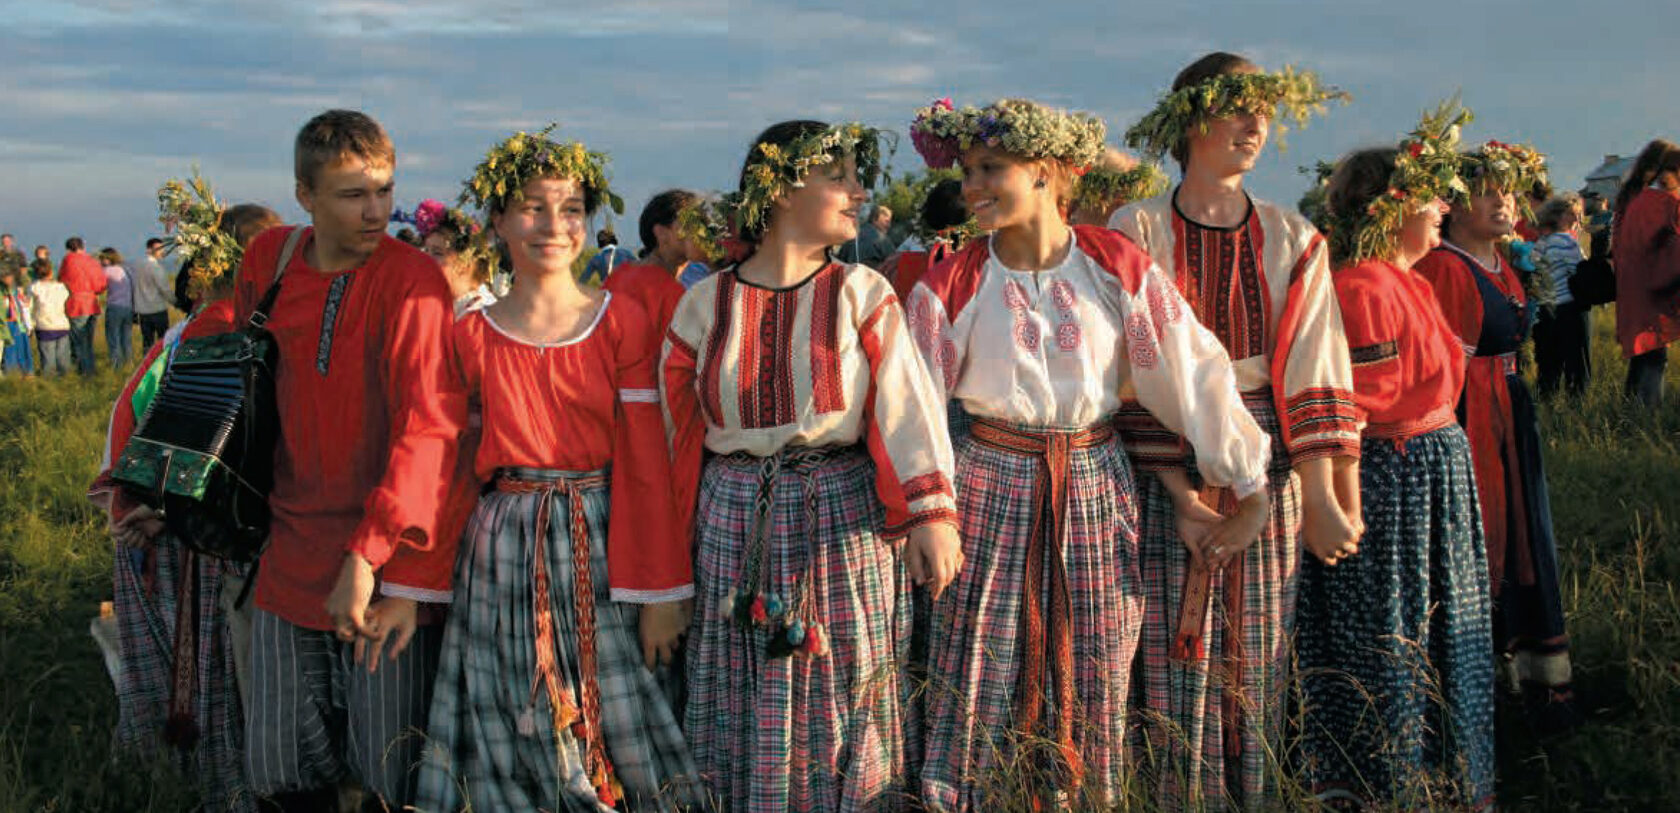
[[370, 413]]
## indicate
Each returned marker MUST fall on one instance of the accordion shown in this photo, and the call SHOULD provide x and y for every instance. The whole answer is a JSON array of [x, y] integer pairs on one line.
[[203, 452]]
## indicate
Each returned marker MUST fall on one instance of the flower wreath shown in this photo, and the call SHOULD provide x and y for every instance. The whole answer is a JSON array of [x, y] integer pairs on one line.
[[432, 215], [1296, 95], [1515, 168], [1425, 169], [705, 224], [774, 170], [1105, 187], [192, 217], [501, 177], [1019, 126]]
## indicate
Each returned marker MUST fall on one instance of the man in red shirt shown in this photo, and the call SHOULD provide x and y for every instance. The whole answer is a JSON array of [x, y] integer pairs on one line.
[[370, 411], [85, 278]]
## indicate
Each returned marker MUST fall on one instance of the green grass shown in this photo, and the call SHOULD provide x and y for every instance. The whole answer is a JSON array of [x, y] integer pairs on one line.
[[1614, 476]]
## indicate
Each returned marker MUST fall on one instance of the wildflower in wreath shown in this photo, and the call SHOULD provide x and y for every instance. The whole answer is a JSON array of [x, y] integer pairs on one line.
[[1117, 181], [705, 224], [1515, 168], [192, 219], [1425, 170], [1020, 126], [1286, 96], [773, 170], [500, 178], [432, 215]]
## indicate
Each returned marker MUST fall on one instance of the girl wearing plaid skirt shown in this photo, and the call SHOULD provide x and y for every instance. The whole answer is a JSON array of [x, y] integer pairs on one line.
[[1396, 675], [828, 447], [1037, 331], [572, 581]]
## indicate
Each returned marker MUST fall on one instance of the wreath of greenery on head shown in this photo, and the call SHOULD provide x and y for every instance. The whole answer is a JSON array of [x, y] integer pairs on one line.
[[704, 223], [1426, 169], [523, 157], [432, 215], [1515, 168], [941, 132], [774, 170], [1104, 188], [192, 220], [1286, 96]]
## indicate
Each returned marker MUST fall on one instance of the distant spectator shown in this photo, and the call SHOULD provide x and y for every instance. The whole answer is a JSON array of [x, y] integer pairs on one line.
[[41, 253], [409, 236], [1598, 215], [609, 257], [15, 309], [11, 259], [693, 271], [943, 213], [152, 291], [872, 246], [1647, 249], [84, 277], [652, 280], [119, 308], [1527, 229], [1561, 339], [48, 297]]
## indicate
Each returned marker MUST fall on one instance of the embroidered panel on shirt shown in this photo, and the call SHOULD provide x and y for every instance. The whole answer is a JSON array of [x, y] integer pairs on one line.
[[765, 377], [638, 396], [932, 484], [1221, 278], [827, 393], [711, 375], [329, 321], [1373, 353]]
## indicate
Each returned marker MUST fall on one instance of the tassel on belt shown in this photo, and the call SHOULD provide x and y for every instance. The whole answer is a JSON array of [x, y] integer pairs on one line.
[[1044, 557], [583, 718]]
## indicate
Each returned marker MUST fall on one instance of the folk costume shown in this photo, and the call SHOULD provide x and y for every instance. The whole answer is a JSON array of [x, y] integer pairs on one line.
[[827, 445], [371, 411], [1396, 680], [1215, 644], [1213, 710], [178, 692], [653, 288], [1032, 645], [1491, 314], [542, 700]]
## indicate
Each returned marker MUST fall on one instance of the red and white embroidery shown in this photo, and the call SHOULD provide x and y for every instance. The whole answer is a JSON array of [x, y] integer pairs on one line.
[[1140, 342], [1026, 334], [1165, 307], [1015, 296], [1067, 336]]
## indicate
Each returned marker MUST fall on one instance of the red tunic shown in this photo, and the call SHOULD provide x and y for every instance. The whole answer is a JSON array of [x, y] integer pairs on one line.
[[1408, 364], [1647, 243], [85, 278], [216, 317], [582, 405], [370, 411], [652, 287], [1486, 407]]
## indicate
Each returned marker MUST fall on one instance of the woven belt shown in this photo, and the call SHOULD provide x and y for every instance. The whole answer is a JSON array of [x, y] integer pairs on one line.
[[1507, 362], [585, 722], [1053, 450]]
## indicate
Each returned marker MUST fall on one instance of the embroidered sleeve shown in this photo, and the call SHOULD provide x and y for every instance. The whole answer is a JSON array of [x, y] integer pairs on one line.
[[930, 328], [905, 422], [1310, 370], [648, 559], [1184, 378]]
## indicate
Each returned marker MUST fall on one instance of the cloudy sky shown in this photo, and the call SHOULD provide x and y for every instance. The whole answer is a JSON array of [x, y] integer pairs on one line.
[[101, 100]]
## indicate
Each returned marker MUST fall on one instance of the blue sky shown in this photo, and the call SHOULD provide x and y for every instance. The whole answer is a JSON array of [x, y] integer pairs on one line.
[[101, 100]]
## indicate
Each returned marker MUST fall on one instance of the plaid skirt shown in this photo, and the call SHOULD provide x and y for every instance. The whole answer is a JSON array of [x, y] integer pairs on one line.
[[1396, 676], [1210, 727], [825, 732], [492, 740], [148, 594], [978, 755]]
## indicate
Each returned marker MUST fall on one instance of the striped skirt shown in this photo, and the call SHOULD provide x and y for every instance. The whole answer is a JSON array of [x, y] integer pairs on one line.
[[1211, 725], [1031, 647], [515, 723], [154, 596], [1396, 675], [804, 731]]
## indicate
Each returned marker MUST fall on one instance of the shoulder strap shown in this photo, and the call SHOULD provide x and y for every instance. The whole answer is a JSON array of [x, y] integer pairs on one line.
[[259, 317]]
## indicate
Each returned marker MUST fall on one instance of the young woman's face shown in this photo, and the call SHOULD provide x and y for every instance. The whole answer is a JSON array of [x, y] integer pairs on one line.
[[1231, 144], [1420, 231], [1000, 189], [1488, 216], [544, 230], [825, 209]]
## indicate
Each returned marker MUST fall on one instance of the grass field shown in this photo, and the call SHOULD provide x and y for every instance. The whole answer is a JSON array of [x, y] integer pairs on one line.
[[1615, 475]]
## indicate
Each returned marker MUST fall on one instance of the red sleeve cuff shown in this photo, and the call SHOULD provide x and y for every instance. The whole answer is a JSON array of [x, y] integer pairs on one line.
[[377, 547]]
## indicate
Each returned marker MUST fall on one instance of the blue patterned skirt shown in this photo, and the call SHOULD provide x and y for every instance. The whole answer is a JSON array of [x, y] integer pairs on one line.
[[1395, 671]]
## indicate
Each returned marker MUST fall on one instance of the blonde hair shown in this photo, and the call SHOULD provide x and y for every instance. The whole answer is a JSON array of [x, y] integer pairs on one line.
[[335, 135]]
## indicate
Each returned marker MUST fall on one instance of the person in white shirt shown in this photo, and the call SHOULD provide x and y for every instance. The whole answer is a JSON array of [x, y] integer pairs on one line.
[[153, 288]]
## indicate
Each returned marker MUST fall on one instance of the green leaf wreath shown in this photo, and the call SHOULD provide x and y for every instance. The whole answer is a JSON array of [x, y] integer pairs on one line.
[[192, 220], [1286, 96], [1425, 169]]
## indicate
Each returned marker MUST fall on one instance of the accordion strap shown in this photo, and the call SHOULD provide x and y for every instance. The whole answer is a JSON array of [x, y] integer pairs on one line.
[[259, 317]]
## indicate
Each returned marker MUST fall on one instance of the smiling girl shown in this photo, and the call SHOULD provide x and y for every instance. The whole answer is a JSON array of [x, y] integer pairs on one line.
[[1036, 331], [828, 447], [573, 580]]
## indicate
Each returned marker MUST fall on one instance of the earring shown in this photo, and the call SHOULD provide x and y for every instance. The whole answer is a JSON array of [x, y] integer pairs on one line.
[[1039, 184]]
